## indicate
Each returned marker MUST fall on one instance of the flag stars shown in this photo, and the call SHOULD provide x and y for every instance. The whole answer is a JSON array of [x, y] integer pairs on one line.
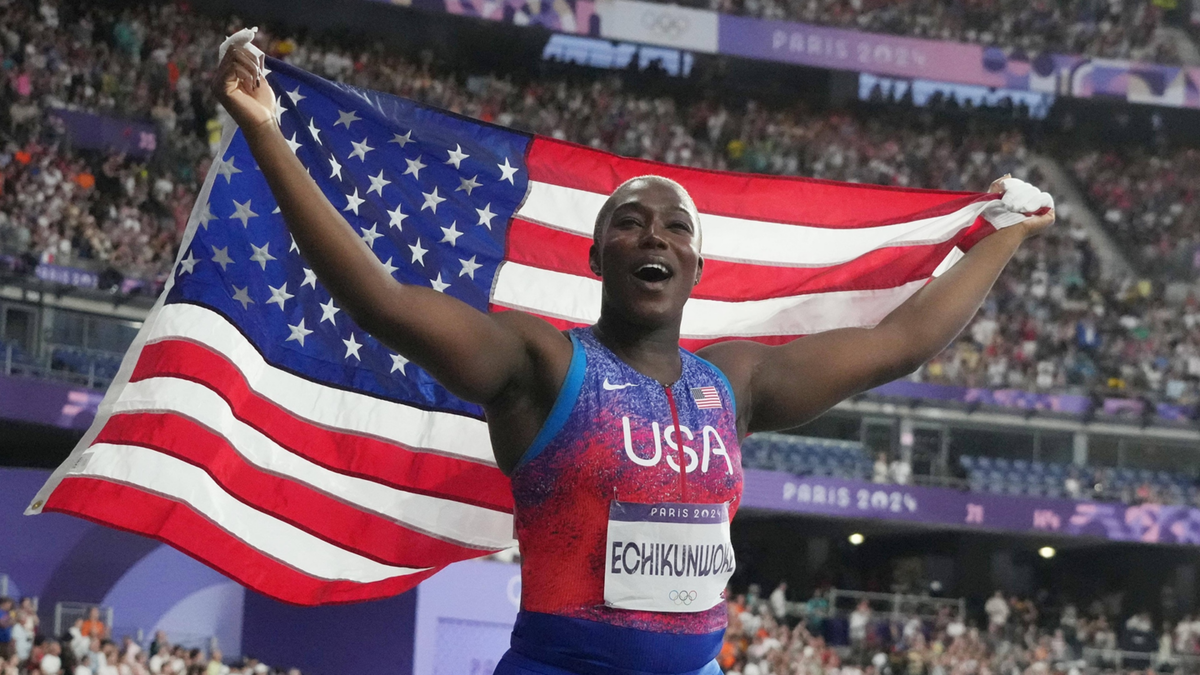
[[299, 332], [296, 96], [279, 296], [457, 156], [361, 149], [347, 118], [353, 202], [467, 184], [293, 247], [402, 140], [242, 295], [377, 183], [469, 267], [328, 312], [439, 285], [352, 347], [262, 255], [242, 212], [398, 363], [226, 168], [313, 130], [389, 267], [485, 215], [507, 171], [414, 167], [187, 264], [310, 279], [335, 169], [221, 257], [450, 234], [293, 144], [370, 234], [418, 252], [278, 110], [432, 200], [397, 218], [206, 216]]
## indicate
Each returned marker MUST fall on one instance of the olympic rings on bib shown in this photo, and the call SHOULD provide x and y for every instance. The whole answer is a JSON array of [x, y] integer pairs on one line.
[[682, 597]]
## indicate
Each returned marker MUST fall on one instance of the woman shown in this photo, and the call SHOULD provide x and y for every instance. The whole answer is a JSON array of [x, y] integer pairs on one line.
[[624, 556]]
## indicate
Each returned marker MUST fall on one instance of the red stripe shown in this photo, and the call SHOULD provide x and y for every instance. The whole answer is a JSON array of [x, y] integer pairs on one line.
[[550, 249], [133, 510], [369, 458], [778, 199], [367, 534]]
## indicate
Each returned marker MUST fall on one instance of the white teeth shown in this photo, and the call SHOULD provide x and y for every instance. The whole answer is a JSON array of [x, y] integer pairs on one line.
[[656, 266]]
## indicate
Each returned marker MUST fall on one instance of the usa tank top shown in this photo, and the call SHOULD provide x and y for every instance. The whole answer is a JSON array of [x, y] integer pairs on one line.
[[611, 436]]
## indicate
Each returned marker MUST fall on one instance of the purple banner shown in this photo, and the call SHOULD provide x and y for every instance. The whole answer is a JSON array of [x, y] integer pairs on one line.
[[50, 403], [98, 132], [67, 275], [1148, 523], [842, 49]]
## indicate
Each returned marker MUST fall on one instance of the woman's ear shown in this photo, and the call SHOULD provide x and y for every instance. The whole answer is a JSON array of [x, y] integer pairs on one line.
[[594, 260], [699, 270]]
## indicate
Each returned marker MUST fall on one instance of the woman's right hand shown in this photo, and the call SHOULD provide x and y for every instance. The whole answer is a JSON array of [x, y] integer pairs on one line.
[[240, 86]]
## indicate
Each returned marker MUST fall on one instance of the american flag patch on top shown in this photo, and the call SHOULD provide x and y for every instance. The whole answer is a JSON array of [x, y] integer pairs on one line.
[[706, 397]]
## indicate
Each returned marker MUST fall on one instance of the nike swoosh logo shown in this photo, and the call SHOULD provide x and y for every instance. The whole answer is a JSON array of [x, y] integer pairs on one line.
[[608, 386]]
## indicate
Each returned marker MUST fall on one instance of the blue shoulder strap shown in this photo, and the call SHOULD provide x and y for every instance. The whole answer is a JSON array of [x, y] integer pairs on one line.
[[567, 395]]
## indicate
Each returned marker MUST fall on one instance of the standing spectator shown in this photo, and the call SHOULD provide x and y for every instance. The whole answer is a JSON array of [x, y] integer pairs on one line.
[[79, 642], [860, 622], [997, 610], [51, 663], [879, 473], [778, 601], [901, 471], [83, 665], [94, 627], [22, 634], [6, 623]]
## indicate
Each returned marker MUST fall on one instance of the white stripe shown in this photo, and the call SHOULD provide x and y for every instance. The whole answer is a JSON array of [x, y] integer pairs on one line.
[[177, 480], [765, 243], [463, 524], [575, 298], [442, 433]]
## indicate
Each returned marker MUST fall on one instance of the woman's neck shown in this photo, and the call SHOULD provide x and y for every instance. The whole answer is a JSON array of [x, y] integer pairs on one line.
[[652, 351]]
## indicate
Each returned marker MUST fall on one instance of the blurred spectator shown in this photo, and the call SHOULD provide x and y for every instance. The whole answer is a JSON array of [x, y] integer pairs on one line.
[[93, 626]]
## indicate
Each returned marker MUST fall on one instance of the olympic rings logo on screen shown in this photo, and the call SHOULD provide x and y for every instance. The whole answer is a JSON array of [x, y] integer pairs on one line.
[[664, 23], [682, 597]]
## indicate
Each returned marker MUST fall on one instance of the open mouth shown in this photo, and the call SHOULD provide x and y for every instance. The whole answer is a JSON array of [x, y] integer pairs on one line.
[[653, 272]]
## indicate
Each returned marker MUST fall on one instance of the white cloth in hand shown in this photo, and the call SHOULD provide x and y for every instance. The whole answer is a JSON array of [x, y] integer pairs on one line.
[[243, 37], [1021, 197]]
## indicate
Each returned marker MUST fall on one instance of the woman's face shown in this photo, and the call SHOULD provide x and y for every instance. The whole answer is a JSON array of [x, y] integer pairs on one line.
[[648, 252]]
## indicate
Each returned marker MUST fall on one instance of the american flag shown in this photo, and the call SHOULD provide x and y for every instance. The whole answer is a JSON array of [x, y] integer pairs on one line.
[[253, 426], [706, 397]]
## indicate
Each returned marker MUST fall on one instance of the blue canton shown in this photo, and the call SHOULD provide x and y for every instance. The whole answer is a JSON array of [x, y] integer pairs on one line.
[[431, 192]]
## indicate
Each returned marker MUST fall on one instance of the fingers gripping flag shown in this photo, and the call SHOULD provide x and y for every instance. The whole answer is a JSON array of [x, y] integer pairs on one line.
[[255, 427]]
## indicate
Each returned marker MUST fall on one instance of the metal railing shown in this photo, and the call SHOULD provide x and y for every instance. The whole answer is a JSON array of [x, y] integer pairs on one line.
[[66, 613], [43, 370], [1118, 657], [897, 604], [3, 585]]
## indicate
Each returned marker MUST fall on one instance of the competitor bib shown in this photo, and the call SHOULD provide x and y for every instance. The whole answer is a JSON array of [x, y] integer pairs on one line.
[[667, 557]]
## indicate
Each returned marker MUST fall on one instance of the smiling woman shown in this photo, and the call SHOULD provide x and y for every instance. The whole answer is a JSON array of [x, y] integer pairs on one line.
[[615, 437]]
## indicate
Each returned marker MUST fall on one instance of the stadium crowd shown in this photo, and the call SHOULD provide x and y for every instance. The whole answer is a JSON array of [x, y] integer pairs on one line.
[[89, 648], [1106, 28], [1013, 635], [1066, 328]]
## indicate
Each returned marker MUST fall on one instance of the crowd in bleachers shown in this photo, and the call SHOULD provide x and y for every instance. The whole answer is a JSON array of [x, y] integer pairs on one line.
[[1107, 28], [1013, 635], [1065, 328], [89, 648]]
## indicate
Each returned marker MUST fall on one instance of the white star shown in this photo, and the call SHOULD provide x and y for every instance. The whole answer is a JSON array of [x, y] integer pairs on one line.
[[261, 255], [243, 296], [377, 183], [398, 363], [469, 267], [293, 143], [347, 118], [335, 169], [310, 278], [299, 332], [467, 184], [313, 130], [397, 218], [457, 156], [439, 285], [296, 96], [418, 252], [275, 211], [205, 218], [293, 247], [352, 202], [279, 295], [485, 215], [278, 110], [221, 257], [227, 169], [507, 171], [391, 269], [414, 167], [369, 235], [243, 212], [361, 149], [352, 348], [450, 234], [187, 264], [328, 311], [402, 140], [432, 200]]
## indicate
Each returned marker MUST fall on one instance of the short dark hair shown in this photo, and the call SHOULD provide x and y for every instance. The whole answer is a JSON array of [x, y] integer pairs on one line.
[[609, 206]]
